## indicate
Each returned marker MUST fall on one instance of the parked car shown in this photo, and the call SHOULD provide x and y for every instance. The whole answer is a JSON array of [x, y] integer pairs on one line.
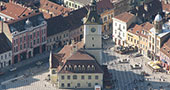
[[1, 73], [13, 69], [123, 60], [39, 63], [138, 55], [136, 66]]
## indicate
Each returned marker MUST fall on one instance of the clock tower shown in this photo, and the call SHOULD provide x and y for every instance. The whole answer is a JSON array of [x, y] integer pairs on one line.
[[93, 33]]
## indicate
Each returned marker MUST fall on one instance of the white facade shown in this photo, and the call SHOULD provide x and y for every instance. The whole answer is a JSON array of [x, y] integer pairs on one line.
[[119, 31], [5, 59]]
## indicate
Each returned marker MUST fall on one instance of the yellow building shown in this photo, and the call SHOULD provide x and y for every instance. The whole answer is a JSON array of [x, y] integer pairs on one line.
[[144, 33], [133, 36]]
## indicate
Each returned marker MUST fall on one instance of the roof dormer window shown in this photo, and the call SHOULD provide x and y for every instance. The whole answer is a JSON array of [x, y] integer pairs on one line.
[[168, 51]]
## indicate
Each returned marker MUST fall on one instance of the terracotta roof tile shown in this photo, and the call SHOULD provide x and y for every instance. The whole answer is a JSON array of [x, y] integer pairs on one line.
[[14, 10], [103, 5], [166, 48], [53, 8], [124, 16], [165, 7], [135, 30]]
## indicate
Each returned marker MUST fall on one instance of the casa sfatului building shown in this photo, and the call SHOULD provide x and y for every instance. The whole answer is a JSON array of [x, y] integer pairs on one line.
[[79, 65]]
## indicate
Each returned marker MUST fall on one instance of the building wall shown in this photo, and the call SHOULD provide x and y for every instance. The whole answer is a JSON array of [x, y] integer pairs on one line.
[[106, 17], [5, 59], [92, 39], [143, 45], [119, 31], [132, 39], [29, 42], [83, 82], [64, 37]]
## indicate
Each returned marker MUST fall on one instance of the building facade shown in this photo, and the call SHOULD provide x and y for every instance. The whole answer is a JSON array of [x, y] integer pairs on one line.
[[78, 69], [5, 51], [121, 24], [27, 35], [61, 30], [165, 55]]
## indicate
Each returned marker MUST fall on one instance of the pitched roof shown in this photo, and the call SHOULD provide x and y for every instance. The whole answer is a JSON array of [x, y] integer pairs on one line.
[[125, 17], [166, 7], [4, 44], [135, 30], [53, 8], [14, 10], [80, 60], [22, 23], [138, 29], [59, 24], [56, 25], [166, 48], [103, 5], [153, 8], [28, 3]]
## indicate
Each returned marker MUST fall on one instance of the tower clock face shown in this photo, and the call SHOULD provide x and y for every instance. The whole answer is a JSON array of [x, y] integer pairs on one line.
[[93, 29]]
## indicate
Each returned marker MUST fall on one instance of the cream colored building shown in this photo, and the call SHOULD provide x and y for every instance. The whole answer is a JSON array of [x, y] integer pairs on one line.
[[121, 24], [74, 69]]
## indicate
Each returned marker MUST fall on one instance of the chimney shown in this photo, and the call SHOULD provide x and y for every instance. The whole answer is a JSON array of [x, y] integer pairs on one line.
[[1, 27], [137, 8], [146, 7], [74, 46]]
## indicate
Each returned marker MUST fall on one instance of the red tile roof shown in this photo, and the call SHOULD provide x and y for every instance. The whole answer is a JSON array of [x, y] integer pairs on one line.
[[166, 48], [14, 10], [166, 7], [124, 16], [53, 8], [135, 30], [103, 5]]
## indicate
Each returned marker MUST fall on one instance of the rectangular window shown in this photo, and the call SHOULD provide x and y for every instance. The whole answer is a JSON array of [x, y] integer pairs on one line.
[[1, 57], [89, 77], [34, 42], [5, 56], [74, 76], [21, 47], [16, 40], [38, 40], [96, 77], [24, 38], [78, 84], [82, 77], [38, 33], [9, 54], [62, 84], [62, 77], [24, 45], [68, 84], [34, 34], [68, 77], [20, 39], [89, 84]]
